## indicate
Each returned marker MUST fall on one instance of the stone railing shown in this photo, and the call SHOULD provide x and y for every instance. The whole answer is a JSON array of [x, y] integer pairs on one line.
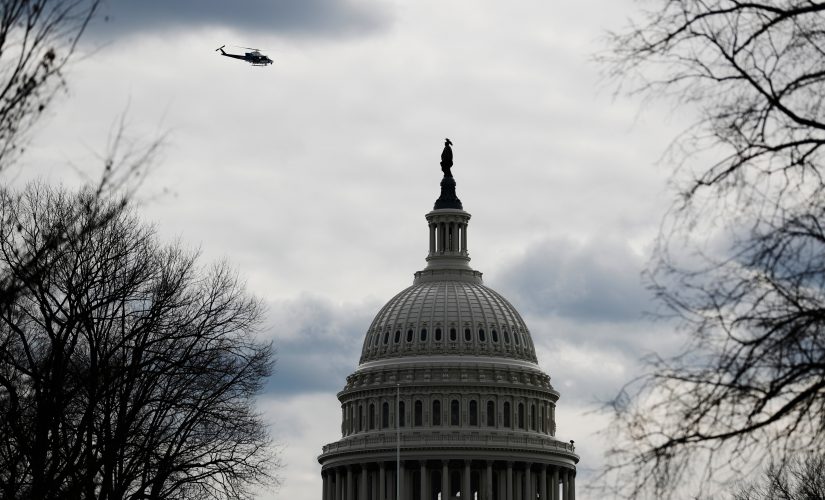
[[448, 439]]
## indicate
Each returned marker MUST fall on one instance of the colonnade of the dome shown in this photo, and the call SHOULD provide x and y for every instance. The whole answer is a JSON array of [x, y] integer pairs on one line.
[[450, 479], [453, 410], [495, 397], [448, 233]]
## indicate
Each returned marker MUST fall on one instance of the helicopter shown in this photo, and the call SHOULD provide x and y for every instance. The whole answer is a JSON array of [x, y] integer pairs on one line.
[[255, 57]]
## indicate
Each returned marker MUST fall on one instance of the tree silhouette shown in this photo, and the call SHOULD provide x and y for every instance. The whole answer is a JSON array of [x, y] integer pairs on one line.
[[126, 370], [740, 262], [799, 479]]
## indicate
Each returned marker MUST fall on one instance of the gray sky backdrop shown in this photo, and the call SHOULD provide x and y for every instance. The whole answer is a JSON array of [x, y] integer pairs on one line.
[[312, 176]]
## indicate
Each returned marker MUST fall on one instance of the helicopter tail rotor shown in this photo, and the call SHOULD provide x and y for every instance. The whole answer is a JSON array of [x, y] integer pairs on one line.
[[220, 48]]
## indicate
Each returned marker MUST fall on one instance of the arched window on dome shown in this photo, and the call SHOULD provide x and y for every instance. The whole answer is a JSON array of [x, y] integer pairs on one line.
[[418, 410], [423, 336], [402, 414], [473, 412], [491, 414], [386, 337], [516, 336], [532, 417], [372, 416], [455, 412], [453, 335], [438, 334], [385, 415], [507, 416], [521, 415], [436, 415], [360, 418], [397, 336], [494, 334], [506, 337], [482, 337], [409, 335], [541, 418], [468, 335]]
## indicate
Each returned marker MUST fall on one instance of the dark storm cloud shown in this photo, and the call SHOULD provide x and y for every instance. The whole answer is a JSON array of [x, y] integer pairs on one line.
[[259, 17], [318, 343], [597, 281]]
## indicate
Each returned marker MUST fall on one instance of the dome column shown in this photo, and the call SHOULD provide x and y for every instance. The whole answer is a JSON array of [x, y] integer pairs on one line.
[[382, 481], [566, 485], [488, 489], [402, 483], [338, 488], [528, 482], [362, 488], [543, 483], [501, 490], [510, 484], [445, 480], [423, 481], [572, 482], [465, 481], [350, 484]]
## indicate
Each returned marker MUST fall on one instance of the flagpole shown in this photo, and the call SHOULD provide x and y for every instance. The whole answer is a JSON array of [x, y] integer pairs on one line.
[[397, 441]]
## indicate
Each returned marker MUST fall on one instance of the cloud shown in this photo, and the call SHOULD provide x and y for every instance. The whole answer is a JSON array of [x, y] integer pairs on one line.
[[595, 281], [318, 343], [300, 424], [323, 18]]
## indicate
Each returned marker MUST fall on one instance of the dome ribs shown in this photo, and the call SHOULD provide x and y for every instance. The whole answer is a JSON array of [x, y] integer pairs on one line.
[[447, 304]]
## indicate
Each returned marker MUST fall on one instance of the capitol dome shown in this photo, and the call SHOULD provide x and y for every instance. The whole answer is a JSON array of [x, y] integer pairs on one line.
[[447, 317], [448, 400]]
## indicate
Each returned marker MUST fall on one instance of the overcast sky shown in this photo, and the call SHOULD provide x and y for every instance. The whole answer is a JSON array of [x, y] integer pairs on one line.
[[313, 175]]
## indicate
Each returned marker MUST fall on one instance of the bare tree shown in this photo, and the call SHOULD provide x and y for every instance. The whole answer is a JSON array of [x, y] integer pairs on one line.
[[799, 479], [37, 39], [126, 371], [741, 258]]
